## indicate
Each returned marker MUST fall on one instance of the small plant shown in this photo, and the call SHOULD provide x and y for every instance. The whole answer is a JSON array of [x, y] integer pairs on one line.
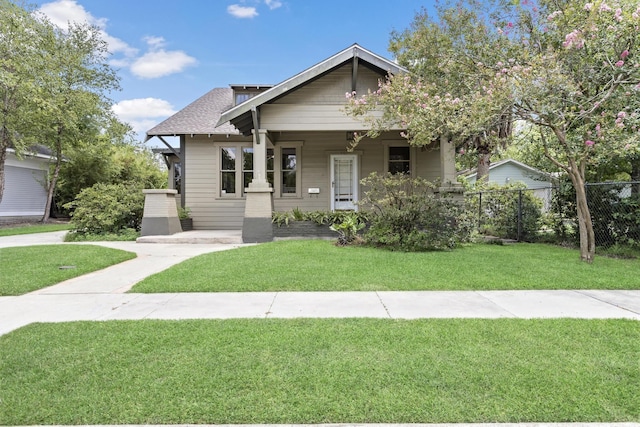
[[281, 218], [184, 213], [348, 229]]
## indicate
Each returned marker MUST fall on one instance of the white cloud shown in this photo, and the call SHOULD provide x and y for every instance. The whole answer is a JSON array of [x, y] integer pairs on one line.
[[155, 42], [61, 12], [143, 113], [242, 11], [273, 4], [160, 63]]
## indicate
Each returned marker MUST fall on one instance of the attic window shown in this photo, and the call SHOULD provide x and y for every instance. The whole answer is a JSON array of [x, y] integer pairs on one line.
[[241, 97]]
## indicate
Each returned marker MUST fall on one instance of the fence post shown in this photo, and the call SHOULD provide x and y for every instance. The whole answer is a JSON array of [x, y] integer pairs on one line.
[[479, 209], [519, 214]]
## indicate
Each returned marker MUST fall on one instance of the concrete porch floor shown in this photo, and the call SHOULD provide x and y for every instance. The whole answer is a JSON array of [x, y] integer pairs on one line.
[[198, 237]]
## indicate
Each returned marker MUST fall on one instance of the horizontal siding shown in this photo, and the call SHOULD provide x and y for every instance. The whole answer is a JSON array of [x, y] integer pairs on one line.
[[296, 117], [427, 163], [332, 87], [208, 211], [24, 192]]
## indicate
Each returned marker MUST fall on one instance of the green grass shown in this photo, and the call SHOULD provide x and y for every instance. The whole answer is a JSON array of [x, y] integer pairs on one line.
[[314, 265], [321, 371], [26, 269], [30, 229]]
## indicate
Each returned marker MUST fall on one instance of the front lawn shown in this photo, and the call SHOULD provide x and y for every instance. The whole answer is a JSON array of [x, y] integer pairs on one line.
[[316, 265], [321, 371], [31, 228], [26, 269]]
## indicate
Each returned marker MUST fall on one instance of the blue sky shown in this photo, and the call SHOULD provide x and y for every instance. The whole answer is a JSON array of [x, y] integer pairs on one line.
[[170, 52]]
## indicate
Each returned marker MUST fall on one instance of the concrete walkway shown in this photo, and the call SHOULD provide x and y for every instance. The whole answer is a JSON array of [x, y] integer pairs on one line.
[[101, 295]]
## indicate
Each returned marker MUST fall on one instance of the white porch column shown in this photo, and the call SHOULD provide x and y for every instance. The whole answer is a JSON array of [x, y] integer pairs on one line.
[[260, 140], [256, 226], [447, 162], [448, 179]]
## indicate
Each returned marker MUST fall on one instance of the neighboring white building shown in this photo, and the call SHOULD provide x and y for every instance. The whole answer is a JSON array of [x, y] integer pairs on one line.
[[510, 171], [25, 185]]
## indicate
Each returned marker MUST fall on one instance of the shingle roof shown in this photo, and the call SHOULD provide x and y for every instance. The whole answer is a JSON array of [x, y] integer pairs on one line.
[[199, 117]]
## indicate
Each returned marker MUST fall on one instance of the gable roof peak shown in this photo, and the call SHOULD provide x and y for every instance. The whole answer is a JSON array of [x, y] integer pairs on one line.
[[354, 51]]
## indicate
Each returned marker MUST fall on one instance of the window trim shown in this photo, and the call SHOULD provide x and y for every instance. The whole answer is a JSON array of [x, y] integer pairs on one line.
[[277, 169], [412, 156]]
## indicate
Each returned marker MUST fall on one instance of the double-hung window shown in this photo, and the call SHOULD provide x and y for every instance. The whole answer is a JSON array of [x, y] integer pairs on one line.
[[237, 169], [399, 160], [228, 170]]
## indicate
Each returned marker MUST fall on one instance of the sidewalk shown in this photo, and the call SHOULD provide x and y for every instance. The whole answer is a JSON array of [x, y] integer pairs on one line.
[[101, 296]]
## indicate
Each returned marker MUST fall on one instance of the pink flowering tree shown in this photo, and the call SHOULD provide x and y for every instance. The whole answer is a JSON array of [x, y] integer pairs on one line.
[[569, 68]]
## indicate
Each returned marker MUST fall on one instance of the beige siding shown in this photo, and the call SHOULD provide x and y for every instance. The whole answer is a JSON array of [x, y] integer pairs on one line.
[[209, 211], [331, 88], [319, 105], [427, 163]]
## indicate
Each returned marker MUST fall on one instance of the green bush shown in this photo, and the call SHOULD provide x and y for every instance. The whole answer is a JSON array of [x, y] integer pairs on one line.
[[509, 212], [406, 215], [107, 209]]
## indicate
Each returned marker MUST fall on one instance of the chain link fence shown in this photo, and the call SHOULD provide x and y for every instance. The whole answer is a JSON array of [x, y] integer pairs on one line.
[[615, 212], [550, 213]]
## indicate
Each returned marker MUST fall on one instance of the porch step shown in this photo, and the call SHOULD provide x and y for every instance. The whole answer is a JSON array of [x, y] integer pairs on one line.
[[225, 237]]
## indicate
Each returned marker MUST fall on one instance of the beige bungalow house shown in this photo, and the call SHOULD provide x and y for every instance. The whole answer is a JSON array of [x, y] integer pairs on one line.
[[248, 150]]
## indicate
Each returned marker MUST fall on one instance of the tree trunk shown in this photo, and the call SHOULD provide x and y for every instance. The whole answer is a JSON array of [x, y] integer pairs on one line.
[[585, 225], [53, 180], [484, 161], [3, 158]]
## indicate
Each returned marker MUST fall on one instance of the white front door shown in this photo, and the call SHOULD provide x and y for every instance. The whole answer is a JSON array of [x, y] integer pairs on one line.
[[344, 182]]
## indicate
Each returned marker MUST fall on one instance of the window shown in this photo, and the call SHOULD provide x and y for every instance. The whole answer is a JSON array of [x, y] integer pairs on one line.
[[399, 160], [247, 166], [228, 170], [271, 167], [241, 97], [288, 165], [237, 169]]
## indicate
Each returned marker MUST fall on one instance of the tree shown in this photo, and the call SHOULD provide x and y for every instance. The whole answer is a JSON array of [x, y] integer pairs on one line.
[[567, 67], [21, 68], [443, 56], [111, 157], [75, 107]]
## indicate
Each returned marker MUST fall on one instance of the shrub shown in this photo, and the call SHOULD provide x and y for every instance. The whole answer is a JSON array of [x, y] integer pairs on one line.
[[348, 228], [509, 212], [107, 209], [406, 215]]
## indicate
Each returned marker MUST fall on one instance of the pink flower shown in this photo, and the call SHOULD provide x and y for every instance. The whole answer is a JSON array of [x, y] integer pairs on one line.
[[618, 15], [589, 143], [622, 115], [624, 54], [588, 6], [619, 63]]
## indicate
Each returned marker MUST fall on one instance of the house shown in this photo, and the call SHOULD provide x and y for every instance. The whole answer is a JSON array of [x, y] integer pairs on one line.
[[511, 171], [250, 149], [25, 185]]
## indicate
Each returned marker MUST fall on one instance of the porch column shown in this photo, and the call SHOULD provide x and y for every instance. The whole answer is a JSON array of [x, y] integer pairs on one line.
[[448, 179], [256, 226]]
